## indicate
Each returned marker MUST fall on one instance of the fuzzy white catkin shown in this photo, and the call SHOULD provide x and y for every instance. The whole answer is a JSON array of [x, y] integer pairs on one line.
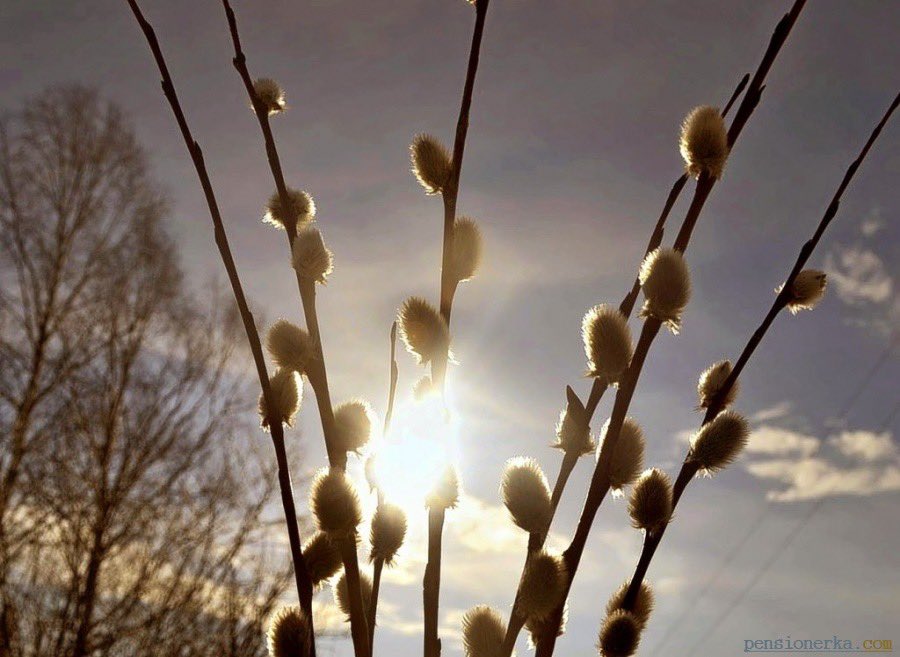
[[545, 627], [342, 593], [422, 329], [711, 381], [301, 208], [704, 142], [719, 442], [431, 163], [286, 395], [289, 633], [620, 635], [543, 585], [573, 435], [323, 558], [466, 247], [483, 631], [807, 290], [289, 346], [311, 258], [607, 343], [643, 604], [650, 505], [627, 459], [270, 94], [666, 283], [526, 494], [445, 494], [334, 503], [387, 532], [353, 422]]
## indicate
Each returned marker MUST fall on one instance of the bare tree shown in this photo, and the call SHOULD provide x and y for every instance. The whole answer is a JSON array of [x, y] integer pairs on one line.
[[71, 188], [132, 496]]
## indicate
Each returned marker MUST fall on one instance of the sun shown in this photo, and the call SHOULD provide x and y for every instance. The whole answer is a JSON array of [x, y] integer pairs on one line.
[[422, 442]]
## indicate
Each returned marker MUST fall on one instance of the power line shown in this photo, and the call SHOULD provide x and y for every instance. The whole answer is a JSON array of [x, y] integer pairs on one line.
[[867, 379], [890, 417], [773, 558], [676, 624], [789, 539]]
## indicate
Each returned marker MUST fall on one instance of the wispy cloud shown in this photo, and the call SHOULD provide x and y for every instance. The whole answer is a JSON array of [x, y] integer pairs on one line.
[[859, 275], [780, 410], [774, 441], [872, 223], [802, 467], [864, 280]]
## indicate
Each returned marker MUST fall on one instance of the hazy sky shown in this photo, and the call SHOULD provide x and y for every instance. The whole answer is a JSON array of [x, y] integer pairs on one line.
[[571, 152]]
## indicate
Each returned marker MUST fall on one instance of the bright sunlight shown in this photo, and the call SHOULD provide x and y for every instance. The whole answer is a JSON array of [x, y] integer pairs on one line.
[[422, 441]]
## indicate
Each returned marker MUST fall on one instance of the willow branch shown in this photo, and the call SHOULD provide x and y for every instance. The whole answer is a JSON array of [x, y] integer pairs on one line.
[[599, 387], [377, 567], [748, 104], [431, 582], [301, 575], [451, 190], [536, 541], [656, 237], [378, 562], [705, 183], [689, 468], [317, 372], [392, 390]]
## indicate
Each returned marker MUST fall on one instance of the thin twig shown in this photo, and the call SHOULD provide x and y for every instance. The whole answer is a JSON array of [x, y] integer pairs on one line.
[[378, 562], [451, 190], [301, 575], [377, 567], [689, 468], [392, 391], [431, 583], [317, 372]]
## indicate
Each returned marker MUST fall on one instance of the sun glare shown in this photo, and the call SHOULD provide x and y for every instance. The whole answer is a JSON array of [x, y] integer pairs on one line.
[[422, 441]]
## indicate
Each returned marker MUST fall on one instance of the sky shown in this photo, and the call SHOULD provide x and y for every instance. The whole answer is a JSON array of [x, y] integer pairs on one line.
[[572, 149]]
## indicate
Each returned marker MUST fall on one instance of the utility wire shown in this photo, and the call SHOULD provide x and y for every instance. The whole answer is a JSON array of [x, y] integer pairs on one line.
[[867, 379], [789, 539], [785, 543], [890, 417], [726, 561]]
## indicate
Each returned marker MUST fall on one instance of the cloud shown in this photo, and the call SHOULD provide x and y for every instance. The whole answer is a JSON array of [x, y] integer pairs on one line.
[[482, 557], [775, 441], [859, 276], [483, 527], [872, 223], [865, 445], [802, 467], [478, 533], [780, 410], [813, 478], [328, 618], [862, 280], [671, 586]]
